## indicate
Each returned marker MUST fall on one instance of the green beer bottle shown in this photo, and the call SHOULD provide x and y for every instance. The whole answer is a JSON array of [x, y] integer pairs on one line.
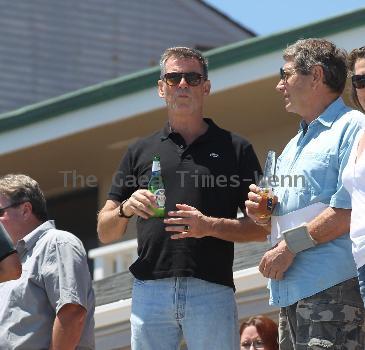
[[156, 186]]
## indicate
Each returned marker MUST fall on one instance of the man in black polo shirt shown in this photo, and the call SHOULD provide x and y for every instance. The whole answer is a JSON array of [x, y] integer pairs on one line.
[[184, 281]]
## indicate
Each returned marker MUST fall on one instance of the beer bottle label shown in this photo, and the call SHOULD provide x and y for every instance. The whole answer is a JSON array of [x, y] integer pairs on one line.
[[156, 166], [160, 197]]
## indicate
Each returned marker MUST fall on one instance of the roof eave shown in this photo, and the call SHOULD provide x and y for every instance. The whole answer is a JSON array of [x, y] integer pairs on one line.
[[220, 57]]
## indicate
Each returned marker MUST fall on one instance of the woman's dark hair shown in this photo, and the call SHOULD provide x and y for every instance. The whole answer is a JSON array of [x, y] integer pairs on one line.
[[266, 328], [355, 55]]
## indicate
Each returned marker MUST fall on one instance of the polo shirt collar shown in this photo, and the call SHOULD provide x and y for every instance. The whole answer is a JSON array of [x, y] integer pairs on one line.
[[32, 237], [167, 131]]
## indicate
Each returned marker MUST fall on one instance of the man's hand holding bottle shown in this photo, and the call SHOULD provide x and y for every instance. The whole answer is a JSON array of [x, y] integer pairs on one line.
[[260, 205]]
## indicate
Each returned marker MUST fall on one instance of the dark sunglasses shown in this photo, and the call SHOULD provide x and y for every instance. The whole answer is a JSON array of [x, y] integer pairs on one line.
[[2, 210], [358, 81], [257, 344], [285, 75], [173, 79]]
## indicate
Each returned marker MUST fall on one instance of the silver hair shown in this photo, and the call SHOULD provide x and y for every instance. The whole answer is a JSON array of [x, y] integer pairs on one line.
[[20, 188], [307, 53]]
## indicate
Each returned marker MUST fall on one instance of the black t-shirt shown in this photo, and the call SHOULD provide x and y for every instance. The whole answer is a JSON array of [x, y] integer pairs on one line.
[[212, 174]]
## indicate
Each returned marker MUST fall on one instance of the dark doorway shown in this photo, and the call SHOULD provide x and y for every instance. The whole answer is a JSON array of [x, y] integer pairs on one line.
[[76, 212]]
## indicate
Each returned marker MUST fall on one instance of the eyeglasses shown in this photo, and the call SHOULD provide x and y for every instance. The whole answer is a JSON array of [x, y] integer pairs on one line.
[[2, 210], [173, 79], [286, 74], [358, 81], [257, 344]]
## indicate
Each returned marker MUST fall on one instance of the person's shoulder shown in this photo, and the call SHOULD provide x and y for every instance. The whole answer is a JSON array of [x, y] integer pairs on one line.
[[241, 140], [353, 117], [57, 237], [235, 138]]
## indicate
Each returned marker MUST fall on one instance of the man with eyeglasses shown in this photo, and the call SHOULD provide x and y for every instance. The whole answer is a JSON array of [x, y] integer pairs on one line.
[[312, 272], [183, 275], [51, 305], [10, 267]]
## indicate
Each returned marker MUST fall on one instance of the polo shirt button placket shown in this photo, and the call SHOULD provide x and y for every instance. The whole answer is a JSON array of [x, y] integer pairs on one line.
[[180, 150]]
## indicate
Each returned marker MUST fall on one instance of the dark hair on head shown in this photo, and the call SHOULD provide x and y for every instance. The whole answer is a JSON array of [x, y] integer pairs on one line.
[[266, 328], [20, 188], [355, 55], [306, 53], [186, 53]]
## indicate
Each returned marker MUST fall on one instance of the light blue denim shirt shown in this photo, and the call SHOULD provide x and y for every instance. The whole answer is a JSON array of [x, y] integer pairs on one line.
[[313, 161]]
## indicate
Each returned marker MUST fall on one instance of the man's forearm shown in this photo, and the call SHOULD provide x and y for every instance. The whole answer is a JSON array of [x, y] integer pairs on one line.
[[330, 224], [327, 226], [67, 327], [237, 230], [110, 227], [189, 222]]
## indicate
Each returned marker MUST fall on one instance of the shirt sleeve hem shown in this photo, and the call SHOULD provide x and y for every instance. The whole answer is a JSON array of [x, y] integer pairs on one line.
[[70, 300], [338, 203]]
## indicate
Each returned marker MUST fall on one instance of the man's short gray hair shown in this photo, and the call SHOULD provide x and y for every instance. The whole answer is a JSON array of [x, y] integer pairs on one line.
[[184, 53], [306, 53], [20, 188]]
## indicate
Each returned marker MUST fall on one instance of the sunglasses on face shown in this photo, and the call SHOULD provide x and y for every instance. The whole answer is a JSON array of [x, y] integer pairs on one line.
[[358, 81], [257, 344], [286, 74], [2, 210], [173, 79]]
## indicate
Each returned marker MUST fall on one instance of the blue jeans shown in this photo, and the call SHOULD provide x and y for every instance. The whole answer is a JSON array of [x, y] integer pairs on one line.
[[167, 310], [361, 276]]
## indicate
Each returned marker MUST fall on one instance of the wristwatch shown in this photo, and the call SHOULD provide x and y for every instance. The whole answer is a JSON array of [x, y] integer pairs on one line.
[[121, 212]]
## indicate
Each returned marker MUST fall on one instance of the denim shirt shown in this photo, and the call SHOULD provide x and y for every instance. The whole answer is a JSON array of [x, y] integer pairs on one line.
[[309, 172]]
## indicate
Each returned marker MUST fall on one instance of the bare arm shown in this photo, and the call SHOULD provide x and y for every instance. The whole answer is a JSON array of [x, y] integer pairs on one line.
[[234, 230], [361, 146], [327, 226], [10, 268], [238, 230], [330, 224], [67, 327], [111, 227]]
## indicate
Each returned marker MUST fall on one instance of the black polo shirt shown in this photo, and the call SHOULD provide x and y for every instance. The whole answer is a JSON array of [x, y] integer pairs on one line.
[[212, 174]]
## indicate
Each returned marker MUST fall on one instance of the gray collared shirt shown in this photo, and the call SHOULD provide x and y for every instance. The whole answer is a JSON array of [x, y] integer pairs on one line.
[[55, 273]]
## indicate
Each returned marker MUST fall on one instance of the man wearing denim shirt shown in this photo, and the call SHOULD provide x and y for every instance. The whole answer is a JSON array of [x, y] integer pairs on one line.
[[311, 266]]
